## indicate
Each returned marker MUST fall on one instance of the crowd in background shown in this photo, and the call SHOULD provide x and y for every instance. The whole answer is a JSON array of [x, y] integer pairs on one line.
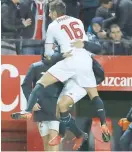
[[108, 25]]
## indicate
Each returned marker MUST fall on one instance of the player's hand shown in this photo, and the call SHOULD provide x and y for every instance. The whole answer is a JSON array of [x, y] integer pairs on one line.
[[77, 44], [47, 57], [105, 129], [105, 133], [36, 107], [67, 54]]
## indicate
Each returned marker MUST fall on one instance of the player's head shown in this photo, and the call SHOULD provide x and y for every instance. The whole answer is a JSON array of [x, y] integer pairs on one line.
[[57, 8], [115, 32]]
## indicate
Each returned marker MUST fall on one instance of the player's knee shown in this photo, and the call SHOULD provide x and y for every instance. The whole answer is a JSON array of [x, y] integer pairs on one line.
[[63, 105]]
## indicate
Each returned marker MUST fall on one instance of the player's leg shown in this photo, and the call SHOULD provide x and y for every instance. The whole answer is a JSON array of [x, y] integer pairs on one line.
[[65, 102], [62, 127], [69, 122], [65, 117], [45, 142], [53, 132], [48, 130], [99, 105], [100, 109], [46, 80], [86, 79], [71, 93], [44, 133]]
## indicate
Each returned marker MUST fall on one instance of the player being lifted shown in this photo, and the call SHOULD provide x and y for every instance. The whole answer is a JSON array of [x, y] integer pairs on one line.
[[78, 67]]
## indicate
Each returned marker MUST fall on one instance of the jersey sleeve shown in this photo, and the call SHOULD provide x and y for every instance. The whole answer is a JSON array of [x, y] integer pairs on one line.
[[49, 41]]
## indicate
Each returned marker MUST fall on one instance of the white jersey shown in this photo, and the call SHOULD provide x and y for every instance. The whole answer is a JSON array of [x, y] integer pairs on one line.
[[64, 30], [78, 67]]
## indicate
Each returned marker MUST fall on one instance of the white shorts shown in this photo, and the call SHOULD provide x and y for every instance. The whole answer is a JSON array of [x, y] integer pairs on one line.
[[73, 90], [78, 67], [45, 126]]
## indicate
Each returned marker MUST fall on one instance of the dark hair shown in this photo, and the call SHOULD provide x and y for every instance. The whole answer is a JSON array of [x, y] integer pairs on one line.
[[105, 1], [58, 6], [114, 26]]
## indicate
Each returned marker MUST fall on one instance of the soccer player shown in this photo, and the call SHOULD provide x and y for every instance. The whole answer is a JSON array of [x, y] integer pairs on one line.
[[47, 123], [64, 29]]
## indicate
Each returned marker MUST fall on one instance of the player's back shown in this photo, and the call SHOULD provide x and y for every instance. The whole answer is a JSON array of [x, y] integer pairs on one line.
[[67, 29]]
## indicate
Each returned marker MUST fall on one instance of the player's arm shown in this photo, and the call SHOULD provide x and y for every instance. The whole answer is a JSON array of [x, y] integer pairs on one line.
[[28, 81], [90, 46], [49, 42]]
